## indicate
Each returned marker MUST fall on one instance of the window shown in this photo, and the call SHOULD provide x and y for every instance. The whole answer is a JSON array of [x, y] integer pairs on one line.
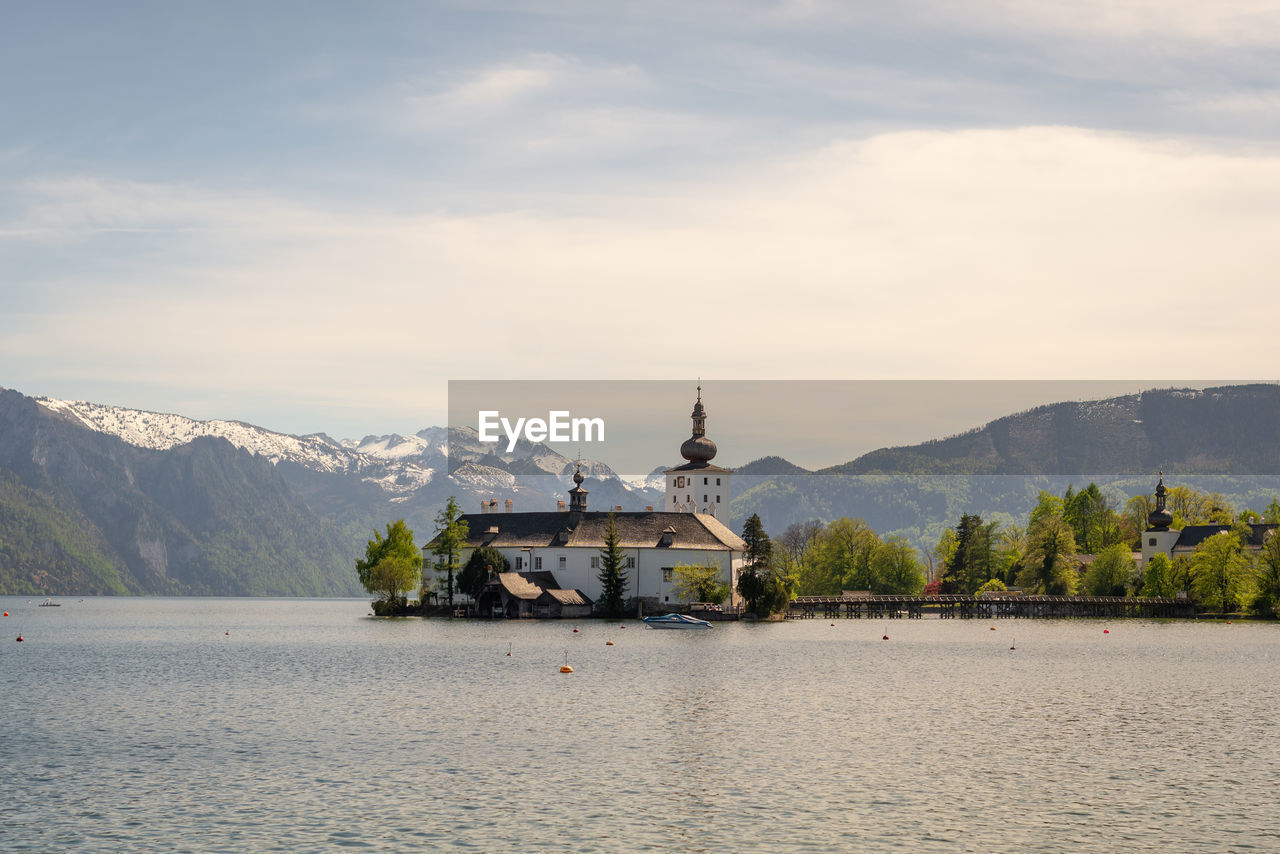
[[595, 562], [537, 563], [717, 481], [519, 563], [704, 481], [717, 499], [1151, 541], [562, 561], [631, 563], [680, 482], [704, 499], [668, 573]]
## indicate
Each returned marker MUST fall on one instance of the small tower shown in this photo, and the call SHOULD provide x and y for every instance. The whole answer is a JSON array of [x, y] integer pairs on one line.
[[698, 486], [1159, 538], [578, 495]]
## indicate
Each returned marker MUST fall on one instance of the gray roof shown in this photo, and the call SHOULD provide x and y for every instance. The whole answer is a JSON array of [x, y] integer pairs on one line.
[[587, 530], [1193, 535], [536, 585]]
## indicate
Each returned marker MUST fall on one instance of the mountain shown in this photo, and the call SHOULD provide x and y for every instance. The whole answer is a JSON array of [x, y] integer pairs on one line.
[[1220, 439], [1224, 430], [104, 499], [88, 513]]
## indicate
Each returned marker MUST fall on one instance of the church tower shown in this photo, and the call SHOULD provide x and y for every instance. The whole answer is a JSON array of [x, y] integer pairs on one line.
[[698, 486], [1159, 538]]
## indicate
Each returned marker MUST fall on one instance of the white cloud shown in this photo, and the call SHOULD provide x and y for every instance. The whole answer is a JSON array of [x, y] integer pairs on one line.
[[1043, 252]]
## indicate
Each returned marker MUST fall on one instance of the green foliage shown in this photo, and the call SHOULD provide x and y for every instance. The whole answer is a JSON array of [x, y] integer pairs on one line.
[[765, 590], [1157, 577], [993, 585], [1219, 573], [388, 561], [1047, 565], [1266, 578], [475, 573], [612, 575], [1110, 572], [699, 583], [894, 568], [451, 536]]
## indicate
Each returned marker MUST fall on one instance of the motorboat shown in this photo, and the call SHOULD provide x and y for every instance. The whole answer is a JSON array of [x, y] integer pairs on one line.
[[676, 621]]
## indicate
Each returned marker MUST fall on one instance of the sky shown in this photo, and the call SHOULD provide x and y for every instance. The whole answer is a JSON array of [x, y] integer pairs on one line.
[[312, 216]]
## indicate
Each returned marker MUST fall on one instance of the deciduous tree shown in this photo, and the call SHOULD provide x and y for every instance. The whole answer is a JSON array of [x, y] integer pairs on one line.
[[402, 559]]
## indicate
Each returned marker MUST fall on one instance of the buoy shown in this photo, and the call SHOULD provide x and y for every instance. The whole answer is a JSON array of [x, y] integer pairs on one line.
[[608, 643], [6, 613], [575, 631], [228, 634], [566, 668], [1015, 641], [1106, 631], [19, 638], [993, 628], [886, 637]]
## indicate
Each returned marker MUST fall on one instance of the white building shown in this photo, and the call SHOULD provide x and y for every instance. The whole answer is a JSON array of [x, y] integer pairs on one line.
[[698, 486], [567, 543]]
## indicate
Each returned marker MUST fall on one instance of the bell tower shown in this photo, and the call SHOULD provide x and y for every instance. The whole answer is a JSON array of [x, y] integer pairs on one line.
[[698, 486]]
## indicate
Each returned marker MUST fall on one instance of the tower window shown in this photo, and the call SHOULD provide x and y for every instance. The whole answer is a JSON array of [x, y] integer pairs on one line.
[[704, 499], [704, 481]]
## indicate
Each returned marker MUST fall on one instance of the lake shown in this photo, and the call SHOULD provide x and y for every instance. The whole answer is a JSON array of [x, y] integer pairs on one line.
[[305, 725]]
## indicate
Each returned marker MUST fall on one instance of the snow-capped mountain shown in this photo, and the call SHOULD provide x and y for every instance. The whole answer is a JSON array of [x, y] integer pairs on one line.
[[398, 465]]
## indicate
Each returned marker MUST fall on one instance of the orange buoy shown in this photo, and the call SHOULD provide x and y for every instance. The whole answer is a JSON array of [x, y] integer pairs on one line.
[[566, 669], [608, 643], [993, 628]]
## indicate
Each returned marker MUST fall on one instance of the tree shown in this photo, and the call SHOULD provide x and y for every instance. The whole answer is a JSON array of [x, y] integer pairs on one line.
[[451, 536], [764, 591], [1047, 566], [1157, 577], [894, 568], [1110, 572], [475, 574], [964, 571], [1219, 568], [402, 560], [612, 576], [1272, 514], [699, 583], [840, 558], [1266, 576]]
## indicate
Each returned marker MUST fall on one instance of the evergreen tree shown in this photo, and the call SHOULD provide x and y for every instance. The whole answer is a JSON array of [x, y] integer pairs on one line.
[[482, 563], [764, 590], [612, 576], [451, 536]]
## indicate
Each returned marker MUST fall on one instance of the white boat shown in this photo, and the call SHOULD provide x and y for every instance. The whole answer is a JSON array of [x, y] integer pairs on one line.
[[676, 621]]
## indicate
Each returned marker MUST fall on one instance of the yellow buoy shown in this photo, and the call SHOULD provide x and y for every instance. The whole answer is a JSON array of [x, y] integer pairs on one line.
[[566, 669]]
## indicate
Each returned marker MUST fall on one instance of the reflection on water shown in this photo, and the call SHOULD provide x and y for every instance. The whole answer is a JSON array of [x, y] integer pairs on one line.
[[251, 725]]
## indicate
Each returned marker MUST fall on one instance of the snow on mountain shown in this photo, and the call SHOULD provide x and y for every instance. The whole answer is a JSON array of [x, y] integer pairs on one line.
[[399, 465], [161, 431]]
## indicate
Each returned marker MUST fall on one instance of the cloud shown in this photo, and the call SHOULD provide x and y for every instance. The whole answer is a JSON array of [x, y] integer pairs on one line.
[[1039, 252]]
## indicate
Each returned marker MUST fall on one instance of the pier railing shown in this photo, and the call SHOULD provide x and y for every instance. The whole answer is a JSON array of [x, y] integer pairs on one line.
[[985, 607]]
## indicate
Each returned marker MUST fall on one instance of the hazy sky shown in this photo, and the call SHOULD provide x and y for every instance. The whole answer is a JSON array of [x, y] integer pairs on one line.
[[311, 216]]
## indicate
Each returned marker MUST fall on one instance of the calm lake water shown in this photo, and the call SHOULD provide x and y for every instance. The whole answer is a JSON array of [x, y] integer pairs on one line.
[[304, 725]]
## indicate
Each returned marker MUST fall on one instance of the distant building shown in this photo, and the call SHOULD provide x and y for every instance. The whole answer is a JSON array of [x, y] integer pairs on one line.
[[555, 555], [1161, 538]]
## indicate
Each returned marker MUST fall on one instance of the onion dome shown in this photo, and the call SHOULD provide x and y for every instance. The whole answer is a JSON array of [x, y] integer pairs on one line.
[[698, 448], [1160, 519]]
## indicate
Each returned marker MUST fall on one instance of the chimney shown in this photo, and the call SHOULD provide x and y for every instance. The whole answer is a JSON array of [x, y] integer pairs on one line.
[[484, 507], [560, 505], [510, 505], [493, 505]]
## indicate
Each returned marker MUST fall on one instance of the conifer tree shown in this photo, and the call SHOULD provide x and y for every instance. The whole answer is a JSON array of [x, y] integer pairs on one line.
[[612, 577]]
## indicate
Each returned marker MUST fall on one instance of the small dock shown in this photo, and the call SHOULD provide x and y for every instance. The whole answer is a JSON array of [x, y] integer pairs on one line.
[[985, 607]]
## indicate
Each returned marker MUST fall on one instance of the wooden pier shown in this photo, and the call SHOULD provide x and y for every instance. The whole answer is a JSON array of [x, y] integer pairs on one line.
[[984, 607]]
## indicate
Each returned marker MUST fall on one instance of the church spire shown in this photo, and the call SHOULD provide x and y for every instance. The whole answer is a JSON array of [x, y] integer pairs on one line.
[[1160, 519], [578, 495], [698, 448]]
